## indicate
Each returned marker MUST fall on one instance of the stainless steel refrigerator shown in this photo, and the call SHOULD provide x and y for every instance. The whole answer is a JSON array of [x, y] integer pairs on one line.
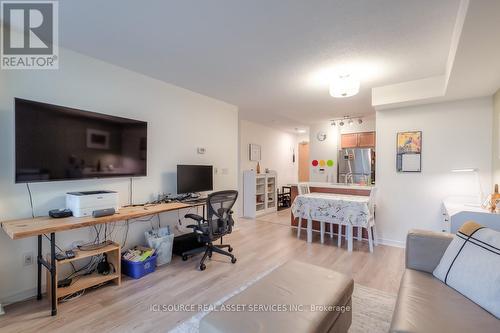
[[356, 166]]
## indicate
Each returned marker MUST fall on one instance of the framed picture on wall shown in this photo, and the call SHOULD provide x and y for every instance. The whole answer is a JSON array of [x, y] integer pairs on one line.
[[409, 151], [254, 152], [97, 139]]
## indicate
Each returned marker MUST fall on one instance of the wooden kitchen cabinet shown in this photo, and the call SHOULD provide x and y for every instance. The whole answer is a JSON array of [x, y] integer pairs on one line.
[[349, 140], [358, 140], [366, 140]]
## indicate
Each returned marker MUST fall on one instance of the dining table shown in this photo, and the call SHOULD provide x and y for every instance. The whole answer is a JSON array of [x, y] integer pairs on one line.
[[342, 209]]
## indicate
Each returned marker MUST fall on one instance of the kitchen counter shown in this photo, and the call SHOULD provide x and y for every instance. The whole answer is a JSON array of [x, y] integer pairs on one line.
[[339, 185]]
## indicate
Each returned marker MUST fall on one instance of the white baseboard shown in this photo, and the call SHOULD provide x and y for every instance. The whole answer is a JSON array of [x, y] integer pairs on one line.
[[387, 242], [391, 242], [20, 296]]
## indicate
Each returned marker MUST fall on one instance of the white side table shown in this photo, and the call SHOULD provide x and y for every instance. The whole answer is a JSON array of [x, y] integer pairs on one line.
[[455, 214]]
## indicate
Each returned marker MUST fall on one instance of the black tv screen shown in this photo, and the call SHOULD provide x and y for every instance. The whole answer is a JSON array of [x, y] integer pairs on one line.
[[60, 143], [194, 178]]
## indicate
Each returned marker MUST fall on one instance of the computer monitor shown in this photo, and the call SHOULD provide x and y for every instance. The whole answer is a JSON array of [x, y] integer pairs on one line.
[[194, 178]]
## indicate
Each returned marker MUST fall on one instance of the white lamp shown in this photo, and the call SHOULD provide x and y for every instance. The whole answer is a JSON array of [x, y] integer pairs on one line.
[[344, 86], [476, 172]]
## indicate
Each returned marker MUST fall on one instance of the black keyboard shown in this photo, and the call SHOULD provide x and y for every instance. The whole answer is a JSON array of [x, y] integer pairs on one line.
[[197, 200]]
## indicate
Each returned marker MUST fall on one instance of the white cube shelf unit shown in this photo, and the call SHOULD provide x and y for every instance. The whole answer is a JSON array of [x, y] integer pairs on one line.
[[259, 193]]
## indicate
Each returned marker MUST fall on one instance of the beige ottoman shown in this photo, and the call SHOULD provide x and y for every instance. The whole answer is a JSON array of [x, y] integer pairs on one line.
[[265, 305]]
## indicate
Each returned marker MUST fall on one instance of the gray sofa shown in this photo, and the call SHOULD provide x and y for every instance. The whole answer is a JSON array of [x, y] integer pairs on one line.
[[424, 303]]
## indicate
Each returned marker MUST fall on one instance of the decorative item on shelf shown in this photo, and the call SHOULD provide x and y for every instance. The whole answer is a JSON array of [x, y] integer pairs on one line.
[[258, 167], [409, 151], [494, 200], [267, 170]]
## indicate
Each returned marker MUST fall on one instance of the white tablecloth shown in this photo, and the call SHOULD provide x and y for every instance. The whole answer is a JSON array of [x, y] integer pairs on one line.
[[337, 208]]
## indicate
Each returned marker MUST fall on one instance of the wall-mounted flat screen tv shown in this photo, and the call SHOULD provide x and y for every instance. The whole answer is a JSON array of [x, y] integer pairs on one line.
[[60, 143]]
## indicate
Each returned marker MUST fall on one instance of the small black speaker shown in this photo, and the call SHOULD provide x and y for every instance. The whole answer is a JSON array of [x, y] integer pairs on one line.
[[103, 212], [60, 213]]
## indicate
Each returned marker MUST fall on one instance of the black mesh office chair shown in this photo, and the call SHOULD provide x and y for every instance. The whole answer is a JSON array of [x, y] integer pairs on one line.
[[219, 223]]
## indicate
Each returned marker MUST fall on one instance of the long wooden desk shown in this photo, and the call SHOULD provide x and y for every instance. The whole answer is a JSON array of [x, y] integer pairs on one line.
[[17, 229]]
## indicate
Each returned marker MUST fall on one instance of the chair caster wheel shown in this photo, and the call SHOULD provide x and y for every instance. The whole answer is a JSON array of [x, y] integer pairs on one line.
[[203, 267], [233, 260], [184, 258], [230, 249]]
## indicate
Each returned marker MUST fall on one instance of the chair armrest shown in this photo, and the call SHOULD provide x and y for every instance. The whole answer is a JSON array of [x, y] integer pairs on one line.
[[195, 217], [424, 249], [196, 228]]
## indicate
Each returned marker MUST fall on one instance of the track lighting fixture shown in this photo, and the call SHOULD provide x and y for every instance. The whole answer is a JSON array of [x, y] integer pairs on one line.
[[346, 120]]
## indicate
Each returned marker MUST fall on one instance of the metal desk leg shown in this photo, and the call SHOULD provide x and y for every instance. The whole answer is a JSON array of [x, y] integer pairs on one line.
[[53, 282], [51, 268], [39, 267]]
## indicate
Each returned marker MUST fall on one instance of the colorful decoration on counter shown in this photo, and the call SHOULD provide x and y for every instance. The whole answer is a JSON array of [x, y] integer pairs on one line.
[[322, 163], [315, 163], [329, 163], [409, 151]]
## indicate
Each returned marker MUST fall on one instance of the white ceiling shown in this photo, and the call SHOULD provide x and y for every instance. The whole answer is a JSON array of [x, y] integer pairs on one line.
[[264, 55], [473, 66]]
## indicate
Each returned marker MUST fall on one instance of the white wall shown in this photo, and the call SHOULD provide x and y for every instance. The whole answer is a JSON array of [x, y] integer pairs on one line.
[[496, 139], [323, 150], [179, 121], [455, 135], [328, 149], [276, 151]]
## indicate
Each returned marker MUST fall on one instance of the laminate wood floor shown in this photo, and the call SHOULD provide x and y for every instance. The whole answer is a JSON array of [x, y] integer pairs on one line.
[[258, 245]]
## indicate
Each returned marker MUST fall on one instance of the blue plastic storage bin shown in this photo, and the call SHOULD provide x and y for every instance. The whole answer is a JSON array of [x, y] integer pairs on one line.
[[136, 270]]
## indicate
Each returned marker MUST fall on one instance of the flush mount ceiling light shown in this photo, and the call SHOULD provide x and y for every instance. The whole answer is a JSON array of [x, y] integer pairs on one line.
[[300, 130], [344, 85]]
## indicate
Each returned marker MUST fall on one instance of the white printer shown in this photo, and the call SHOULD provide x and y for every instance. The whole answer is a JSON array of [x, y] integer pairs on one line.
[[84, 203]]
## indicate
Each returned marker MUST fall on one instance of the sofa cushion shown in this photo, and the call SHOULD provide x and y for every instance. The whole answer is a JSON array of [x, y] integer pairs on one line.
[[425, 304], [294, 283], [471, 265]]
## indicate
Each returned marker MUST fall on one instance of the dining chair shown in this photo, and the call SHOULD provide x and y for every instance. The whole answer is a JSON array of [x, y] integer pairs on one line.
[[303, 188], [369, 226]]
